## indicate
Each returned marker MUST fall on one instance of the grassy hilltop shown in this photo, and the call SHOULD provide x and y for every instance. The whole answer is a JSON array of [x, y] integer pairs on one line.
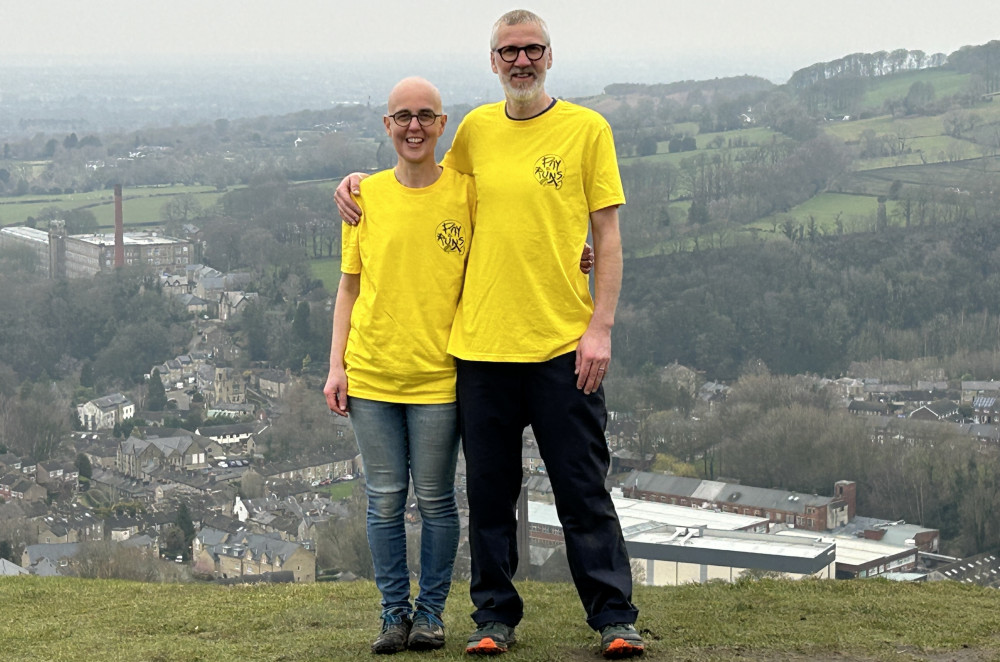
[[55, 619]]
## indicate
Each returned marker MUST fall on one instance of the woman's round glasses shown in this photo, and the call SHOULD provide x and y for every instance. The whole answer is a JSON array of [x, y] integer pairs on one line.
[[424, 117]]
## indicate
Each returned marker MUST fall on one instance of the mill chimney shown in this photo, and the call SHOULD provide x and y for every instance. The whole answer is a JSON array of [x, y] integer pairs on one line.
[[119, 229]]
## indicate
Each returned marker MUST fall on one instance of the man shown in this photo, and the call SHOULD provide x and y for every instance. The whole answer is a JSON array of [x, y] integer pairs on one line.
[[532, 347]]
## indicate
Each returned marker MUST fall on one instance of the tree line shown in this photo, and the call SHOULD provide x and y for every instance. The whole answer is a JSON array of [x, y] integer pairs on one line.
[[817, 304]]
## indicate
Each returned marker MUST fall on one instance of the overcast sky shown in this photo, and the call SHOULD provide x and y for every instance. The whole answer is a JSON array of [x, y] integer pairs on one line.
[[765, 37]]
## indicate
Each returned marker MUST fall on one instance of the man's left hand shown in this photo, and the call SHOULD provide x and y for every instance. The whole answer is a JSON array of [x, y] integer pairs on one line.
[[593, 355]]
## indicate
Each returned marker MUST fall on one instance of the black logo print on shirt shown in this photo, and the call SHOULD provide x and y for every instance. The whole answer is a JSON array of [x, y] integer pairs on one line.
[[451, 237], [549, 171]]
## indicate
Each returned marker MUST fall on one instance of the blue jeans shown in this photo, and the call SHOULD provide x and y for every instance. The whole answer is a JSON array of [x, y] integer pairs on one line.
[[397, 442]]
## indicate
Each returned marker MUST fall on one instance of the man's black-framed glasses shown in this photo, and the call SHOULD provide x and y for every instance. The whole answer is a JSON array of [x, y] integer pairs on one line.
[[424, 117], [534, 52]]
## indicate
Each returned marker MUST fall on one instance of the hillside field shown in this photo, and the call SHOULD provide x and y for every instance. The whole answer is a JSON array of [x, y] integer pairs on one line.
[[139, 205], [55, 619]]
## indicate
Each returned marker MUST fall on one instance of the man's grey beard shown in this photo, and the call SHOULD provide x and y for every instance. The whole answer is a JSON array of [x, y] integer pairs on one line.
[[524, 94]]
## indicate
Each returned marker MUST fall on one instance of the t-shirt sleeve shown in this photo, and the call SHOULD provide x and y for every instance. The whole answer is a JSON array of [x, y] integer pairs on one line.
[[603, 182], [457, 156], [350, 252]]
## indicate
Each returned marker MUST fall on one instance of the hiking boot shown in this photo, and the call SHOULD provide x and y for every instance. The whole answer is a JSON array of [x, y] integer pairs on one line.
[[392, 638], [490, 638], [427, 632], [620, 640]]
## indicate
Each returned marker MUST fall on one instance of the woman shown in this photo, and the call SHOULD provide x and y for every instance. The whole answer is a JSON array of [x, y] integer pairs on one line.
[[403, 270]]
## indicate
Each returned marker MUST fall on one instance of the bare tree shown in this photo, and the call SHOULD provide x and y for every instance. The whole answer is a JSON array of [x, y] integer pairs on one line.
[[342, 544]]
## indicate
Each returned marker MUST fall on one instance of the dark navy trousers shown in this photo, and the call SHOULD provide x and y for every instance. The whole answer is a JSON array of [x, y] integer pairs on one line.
[[496, 402]]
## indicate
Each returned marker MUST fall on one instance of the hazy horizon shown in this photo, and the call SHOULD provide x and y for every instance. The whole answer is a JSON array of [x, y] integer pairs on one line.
[[770, 39], [64, 64]]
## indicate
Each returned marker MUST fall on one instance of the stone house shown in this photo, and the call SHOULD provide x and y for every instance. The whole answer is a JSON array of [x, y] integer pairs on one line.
[[274, 383], [174, 284], [104, 413], [312, 467], [16, 486], [985, 410], [193, 304], [56, 473], [137, 458], [221, 385], [49, 559], [62, 528], [226, 556], [973, 389], [235, 439], [232, 303]]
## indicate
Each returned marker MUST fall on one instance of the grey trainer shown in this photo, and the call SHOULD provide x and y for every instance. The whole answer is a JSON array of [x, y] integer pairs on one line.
[[394, 634], [427, 632]]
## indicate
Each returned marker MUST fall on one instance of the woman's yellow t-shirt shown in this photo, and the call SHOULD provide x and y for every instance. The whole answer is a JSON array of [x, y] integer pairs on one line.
[[411, 251]]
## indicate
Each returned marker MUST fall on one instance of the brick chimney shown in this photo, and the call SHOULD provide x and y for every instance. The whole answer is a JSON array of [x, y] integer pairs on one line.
[[119, 229]]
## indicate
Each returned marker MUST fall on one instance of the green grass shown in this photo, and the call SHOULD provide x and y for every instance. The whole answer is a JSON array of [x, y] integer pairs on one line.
[[686, 128], [139, 205], [753, 137], [757, 135], [912, 126], [926, 141], [144, 205], [341, 490], [854, 211], [946, 83], [944, 175], [326, 269], [60, 619]]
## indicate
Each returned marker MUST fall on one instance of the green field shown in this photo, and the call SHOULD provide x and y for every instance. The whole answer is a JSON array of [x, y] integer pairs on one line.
[[756, 135], [341, 490], [686, 128], [928, 150], [327, 269], [60, 619], [913, 126], [925, 137], [753, 136], [946, 83], [855, 212], [946, 175], [139, 205]]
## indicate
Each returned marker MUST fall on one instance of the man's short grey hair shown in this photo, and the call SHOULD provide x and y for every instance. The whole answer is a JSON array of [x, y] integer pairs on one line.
[[518, 17]]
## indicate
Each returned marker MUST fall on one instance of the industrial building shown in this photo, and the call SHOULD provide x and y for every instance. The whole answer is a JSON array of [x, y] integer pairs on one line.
[[83, 256]]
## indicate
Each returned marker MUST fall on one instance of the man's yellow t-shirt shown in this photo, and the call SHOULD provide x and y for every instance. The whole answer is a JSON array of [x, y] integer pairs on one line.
[[411, 251], [537, 180]]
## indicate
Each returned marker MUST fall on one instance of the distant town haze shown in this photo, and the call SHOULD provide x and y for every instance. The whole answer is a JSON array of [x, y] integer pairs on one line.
[[122, 65], [622, 42]]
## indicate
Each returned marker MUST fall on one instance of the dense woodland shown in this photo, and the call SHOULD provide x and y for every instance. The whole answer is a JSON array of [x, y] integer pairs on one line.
[[723, 273], [816, 306]]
